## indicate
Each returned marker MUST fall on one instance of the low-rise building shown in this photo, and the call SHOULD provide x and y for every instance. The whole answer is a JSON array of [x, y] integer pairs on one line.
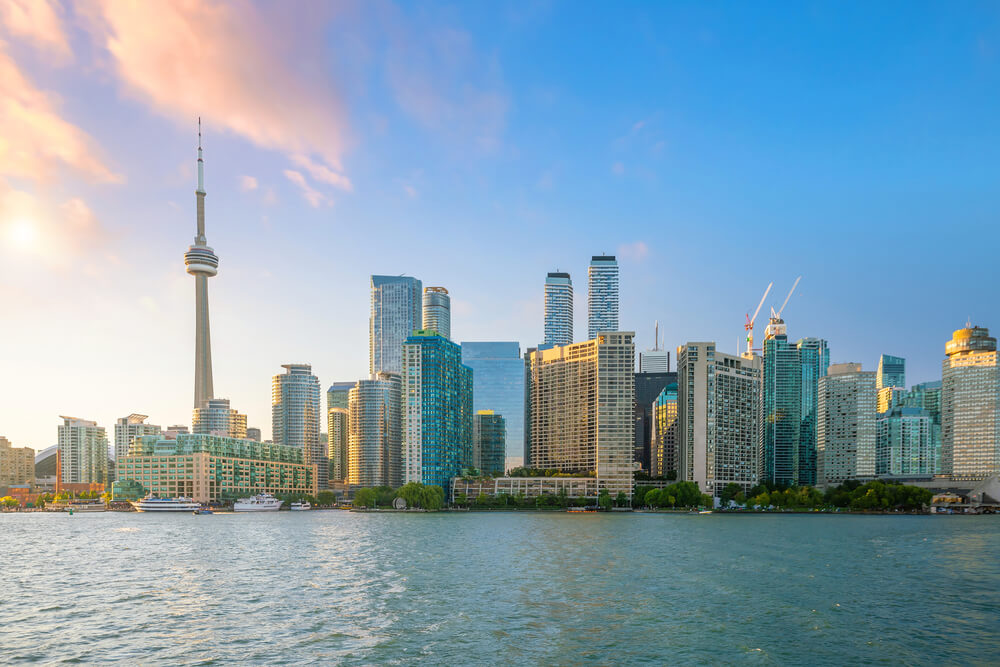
[[212, 468], [528, 487]]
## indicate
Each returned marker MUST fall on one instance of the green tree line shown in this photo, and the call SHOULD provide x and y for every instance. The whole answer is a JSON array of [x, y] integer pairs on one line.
[[423, 496]]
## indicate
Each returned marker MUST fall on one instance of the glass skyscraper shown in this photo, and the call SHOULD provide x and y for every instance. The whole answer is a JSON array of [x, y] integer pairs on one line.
[[664, 456], [396, 312], [602, 295], [558, 309], [295, 415], [488, 443], [781, 408], [498, 385], [814, 358], [437, 311], [436, 410], [891, 372], [338, 427]]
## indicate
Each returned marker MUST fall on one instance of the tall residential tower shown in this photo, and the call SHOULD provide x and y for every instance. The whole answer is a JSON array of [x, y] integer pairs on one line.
[[602, 296], [397, 311], [437, 311], [970, 405], [558, 309]]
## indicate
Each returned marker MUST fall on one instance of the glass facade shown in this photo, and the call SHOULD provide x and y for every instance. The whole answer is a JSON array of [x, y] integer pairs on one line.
[[814, 357], [558, 309], [437, 397], [295, 415], [665, 432], [781, 411], [374, 455], [489, 443], [602, 295], [498, 384], [891, 372], [338, 428], [908, 443], [396, 312]]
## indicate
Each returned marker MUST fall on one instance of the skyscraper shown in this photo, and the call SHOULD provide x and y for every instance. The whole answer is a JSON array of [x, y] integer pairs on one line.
[[655, 360], [647, 387], [295, 415], [970, 405], [217, 417], [846, 429], [558, 309], [202, 263], [581, 402], [397, 311], [907, 443], [781, 407], [891, 372], [663, 459], [498, 385], [602, 295], [338, 428], [717, 415], [253, 433], [489, 437], [814, 359], [436, 410], [128, 428], [83, 452], [374, 455], [437, 311]]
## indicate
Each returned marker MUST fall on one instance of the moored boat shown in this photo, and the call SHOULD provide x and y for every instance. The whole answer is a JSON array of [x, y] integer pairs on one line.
[[202, 511], [262, 502], [153, 504], [300, 506]]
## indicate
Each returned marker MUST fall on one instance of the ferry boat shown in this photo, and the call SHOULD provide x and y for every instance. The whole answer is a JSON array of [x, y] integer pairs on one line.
[[153, 504], [300, 506], [262, 502], [79, 505]]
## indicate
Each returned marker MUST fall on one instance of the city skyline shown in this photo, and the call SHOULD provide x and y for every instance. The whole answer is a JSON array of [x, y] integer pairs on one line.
[[89, 241]]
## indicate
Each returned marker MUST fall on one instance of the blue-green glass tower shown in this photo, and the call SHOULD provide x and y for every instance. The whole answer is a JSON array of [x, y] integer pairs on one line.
[[814, 359], [436, 411], [781, 407]]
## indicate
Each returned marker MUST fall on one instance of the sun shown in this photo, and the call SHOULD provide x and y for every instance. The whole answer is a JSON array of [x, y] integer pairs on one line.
[[22, 234]]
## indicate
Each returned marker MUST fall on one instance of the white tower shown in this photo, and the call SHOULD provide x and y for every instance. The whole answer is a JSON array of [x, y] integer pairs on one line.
[[202, 263]]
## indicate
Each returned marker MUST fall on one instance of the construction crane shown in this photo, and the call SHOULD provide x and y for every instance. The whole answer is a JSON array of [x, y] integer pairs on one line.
[[777, 316], [750, 320]]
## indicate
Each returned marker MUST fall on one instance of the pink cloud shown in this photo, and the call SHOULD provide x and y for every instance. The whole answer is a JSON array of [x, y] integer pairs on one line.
[[313, 196], [233, 65], [39, 22], [248, 183], [323, 173]]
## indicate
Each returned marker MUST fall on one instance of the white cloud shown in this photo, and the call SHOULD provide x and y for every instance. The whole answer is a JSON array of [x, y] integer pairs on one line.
[[313, 196], [323, 173]]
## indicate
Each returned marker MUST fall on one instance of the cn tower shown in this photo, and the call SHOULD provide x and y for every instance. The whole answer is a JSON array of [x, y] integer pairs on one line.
[[202, 263]]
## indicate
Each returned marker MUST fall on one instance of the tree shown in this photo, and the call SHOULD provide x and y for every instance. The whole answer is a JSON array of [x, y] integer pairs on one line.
[[365, 498], [326, 498], [9, 501], [482, 500], [621, 500], [604, 500], [729, 493], [461, 499]]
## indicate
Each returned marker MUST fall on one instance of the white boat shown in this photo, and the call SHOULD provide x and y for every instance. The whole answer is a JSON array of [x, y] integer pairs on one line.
[[300, 506], [262, 502], [154, 504], [80, 505]]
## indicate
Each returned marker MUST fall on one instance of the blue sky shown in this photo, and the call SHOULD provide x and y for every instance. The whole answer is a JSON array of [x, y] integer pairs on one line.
[[713, 146]]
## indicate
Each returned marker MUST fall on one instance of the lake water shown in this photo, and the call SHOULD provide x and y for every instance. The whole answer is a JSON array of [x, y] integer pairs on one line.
[[476, 588]]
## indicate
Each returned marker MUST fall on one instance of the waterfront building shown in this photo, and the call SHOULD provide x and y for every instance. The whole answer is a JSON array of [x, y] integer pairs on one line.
[[489, 443], [814, 359], [129, 428], [581, 409], [717, 417], [781, 407], [558, 309], [647, 387], [664, 450], [253, 433], [602, 295], [83, 452], [846, 429], [498, 372], [396, 312], [217, 417], [338, 428], [907, 443], [211, 468], [171, 432], [526, 487], [891, 372], [201, 262], [374, 456], [970, 405], [437, 311], [17, 464], [295, 415], [437, 410]]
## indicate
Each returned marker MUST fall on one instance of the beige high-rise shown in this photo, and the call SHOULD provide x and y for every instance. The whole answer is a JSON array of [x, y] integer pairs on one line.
[[17, 464], [581, 398], [970, 405]]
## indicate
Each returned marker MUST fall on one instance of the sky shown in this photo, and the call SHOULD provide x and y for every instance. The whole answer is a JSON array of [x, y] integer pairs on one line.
[[713, 147]]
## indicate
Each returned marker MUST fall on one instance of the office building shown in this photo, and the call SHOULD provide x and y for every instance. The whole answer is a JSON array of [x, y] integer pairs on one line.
[[217, 417], [647, 387], [17, 464], [717, 417], [558, 309], [656, 360], [907, 443], [602, 295], [436, 411], [396, 312], [253, 433], [891, 372], [83, 452], [129, 428], [581, 409], [437, 311], [664, 455], [781, 407], [374, 455], [212, 469], [295, 415], [814, 360], [201, 262], [498, 384], [970, 405], [489, 443], [846, 430]]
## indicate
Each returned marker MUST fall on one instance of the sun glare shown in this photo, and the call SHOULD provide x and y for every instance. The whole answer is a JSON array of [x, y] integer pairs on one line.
[[22, 234]]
